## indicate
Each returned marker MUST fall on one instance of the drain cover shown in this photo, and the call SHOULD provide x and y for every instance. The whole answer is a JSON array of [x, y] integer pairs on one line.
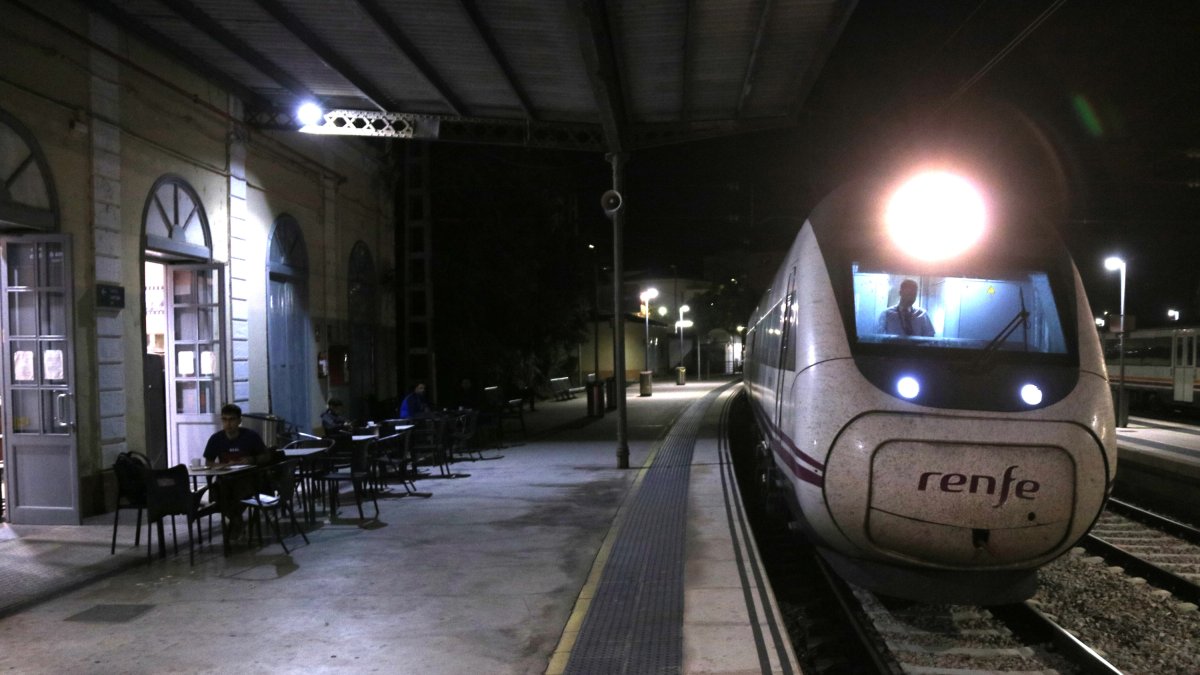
[[111, 613]]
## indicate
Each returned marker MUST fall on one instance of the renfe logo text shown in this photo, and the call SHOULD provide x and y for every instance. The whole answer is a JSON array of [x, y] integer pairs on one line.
[[977, 483]]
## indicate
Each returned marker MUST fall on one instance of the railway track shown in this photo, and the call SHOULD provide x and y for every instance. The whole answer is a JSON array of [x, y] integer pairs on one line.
[[912, 637], [1164, 552]]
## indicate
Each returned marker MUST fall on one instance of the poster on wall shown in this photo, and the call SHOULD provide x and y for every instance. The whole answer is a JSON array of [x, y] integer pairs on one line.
[[52, 364]]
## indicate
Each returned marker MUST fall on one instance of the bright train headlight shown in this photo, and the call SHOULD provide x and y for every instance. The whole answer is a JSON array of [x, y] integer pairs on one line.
[[1031, 394], [935, 215], [908, 387]]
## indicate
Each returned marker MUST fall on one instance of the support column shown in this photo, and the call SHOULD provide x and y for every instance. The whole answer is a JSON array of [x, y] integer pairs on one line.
[[419, 357], [239, 265], [618, 218], [105, 97]]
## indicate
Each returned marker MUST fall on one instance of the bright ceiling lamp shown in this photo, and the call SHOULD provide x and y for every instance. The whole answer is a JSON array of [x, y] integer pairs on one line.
[[935, 215], [310, 114]]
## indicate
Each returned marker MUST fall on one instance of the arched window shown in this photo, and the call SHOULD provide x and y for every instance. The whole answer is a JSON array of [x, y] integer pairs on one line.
[[175, 220], [289, 255], [27, 198]]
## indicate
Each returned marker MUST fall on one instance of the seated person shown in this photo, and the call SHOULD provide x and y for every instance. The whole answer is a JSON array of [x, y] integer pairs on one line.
[[468, 395], [332, 421], [233, 444], [904, 318], [415, 404]]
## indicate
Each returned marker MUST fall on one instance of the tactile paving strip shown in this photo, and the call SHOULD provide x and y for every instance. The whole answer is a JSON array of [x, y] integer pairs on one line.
[[635, 623]]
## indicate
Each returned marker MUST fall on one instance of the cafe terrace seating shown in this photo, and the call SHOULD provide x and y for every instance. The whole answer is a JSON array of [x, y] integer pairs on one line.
[[392, 461], [357, 473], [169, 494], [131, 491], [279, 482]]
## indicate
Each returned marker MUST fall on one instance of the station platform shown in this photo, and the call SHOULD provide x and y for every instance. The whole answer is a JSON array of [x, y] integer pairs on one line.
[[549, 559], [1158, 466], [1160, 443]]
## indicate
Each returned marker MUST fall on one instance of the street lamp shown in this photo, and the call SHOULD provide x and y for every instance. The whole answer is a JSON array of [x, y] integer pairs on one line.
[[1173, 314], [646, 296], [1114, 263], [682, 310]]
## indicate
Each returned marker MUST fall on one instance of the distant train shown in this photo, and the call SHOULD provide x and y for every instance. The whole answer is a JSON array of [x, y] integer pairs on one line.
[[941, 442], [1160, 367]]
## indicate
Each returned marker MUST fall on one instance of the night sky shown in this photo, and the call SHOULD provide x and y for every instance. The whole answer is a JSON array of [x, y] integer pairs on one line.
[[1090, 109]]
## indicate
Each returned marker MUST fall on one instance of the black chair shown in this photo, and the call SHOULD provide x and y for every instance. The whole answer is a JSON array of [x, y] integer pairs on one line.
[[169, 493], [430, 445], [392, 459], [276, 496], [131, 491], [499, 409], [358, 474], [464, 440], [310, 470]]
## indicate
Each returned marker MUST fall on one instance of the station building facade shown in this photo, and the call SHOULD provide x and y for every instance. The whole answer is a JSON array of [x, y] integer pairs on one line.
[[161, 258]]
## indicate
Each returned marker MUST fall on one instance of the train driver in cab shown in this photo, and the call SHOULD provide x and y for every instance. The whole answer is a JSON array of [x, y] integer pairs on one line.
[[905, 318]]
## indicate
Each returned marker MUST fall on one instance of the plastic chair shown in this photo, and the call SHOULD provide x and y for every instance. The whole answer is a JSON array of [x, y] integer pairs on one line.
[[169, 493], [280, 481], [131, 491]]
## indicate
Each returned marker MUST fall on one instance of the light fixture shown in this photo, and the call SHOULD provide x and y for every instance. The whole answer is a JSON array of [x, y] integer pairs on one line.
[[1031, 394], [908, 387], [935, 215], [310, 114], [1173, 314]]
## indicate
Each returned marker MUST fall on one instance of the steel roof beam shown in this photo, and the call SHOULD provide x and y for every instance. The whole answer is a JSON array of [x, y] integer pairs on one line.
[[233, 43], [752, 67], [485, 34], [326, 53], [601, 62], [385, 23], [159, 41], [842, 9]]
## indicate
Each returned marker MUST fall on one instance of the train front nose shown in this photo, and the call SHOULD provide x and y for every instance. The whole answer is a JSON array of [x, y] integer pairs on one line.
[[969, 504], [964, 493]]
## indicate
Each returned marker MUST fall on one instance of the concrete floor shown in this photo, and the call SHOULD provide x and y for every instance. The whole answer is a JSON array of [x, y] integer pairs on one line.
[[480, 578]]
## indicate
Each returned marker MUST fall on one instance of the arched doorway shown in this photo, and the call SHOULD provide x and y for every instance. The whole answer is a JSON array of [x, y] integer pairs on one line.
[[288, 331], [363, 313], [184, 366], [40, 476]]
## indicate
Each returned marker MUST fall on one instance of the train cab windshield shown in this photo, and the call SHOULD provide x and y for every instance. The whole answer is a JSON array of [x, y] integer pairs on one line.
[[1012, 310]]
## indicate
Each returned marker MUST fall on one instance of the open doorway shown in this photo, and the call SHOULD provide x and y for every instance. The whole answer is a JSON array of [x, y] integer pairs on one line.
[[183, 363]]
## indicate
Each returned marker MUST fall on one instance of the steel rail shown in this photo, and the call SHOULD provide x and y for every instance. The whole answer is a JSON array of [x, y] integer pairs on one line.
[[1168, 525], [1140, 567], [1031, 625]]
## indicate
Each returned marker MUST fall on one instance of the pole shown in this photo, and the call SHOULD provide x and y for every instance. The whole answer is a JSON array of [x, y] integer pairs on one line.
[[595, 321], [1121, 417], [646, 354], [618, 179]]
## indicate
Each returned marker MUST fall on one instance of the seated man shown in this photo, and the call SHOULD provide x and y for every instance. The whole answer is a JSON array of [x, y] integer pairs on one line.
[[233, 444], [415, 404], [332, 421]]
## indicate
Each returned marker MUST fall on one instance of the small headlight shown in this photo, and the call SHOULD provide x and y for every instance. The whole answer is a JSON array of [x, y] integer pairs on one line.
[[1031, 395], [908, 387]]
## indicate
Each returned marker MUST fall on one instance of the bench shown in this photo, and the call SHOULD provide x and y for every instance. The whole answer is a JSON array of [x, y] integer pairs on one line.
[[561, 388]]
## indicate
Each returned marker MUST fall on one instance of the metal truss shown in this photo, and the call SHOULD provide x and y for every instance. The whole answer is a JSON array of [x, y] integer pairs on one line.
[[451, 129]]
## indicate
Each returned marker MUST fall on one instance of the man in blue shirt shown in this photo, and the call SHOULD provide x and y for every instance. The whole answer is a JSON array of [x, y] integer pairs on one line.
[[233, 444], [415, 404], [904, 318]]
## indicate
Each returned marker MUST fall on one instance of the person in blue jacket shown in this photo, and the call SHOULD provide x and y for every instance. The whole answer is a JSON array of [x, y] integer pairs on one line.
[[415, 404]]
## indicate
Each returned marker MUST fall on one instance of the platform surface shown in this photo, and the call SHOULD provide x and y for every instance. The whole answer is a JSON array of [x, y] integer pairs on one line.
[[486, 576]]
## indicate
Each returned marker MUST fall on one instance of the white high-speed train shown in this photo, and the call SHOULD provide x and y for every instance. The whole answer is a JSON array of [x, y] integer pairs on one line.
[[944, 457]]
